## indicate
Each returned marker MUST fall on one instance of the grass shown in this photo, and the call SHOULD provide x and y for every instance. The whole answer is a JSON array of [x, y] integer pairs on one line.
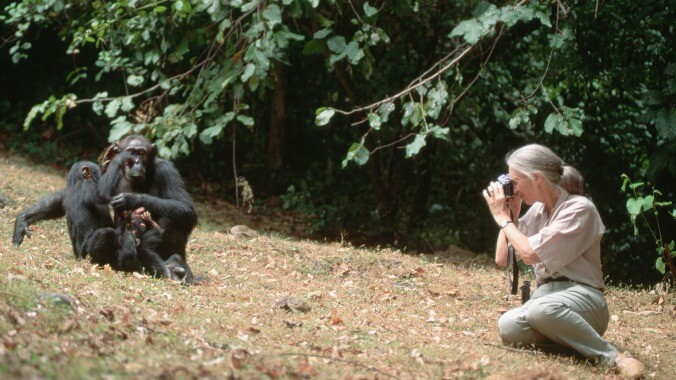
[[373, 313]]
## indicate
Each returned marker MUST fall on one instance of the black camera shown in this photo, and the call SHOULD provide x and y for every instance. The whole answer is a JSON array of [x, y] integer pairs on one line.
[[507, 185]]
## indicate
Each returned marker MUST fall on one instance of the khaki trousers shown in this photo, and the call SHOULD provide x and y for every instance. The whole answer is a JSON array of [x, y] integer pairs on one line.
[[565, 313]]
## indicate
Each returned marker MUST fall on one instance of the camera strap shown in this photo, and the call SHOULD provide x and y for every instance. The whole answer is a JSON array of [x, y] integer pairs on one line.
[[513, 267], [512, 270]]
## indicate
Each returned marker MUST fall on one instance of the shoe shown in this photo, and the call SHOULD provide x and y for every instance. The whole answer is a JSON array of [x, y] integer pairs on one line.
[[630, 368]]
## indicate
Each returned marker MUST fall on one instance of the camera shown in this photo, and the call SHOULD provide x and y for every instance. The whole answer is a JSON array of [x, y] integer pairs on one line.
[[507, 185]]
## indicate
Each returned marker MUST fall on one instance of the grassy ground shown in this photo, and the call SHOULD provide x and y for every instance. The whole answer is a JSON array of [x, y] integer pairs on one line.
[[277, 307]]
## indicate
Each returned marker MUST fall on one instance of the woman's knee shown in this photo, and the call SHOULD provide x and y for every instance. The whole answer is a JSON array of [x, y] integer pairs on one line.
[[511, 331], [542, 312]]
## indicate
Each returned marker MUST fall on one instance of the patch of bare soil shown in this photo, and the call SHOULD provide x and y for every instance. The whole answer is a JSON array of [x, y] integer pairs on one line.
[[272, 306]]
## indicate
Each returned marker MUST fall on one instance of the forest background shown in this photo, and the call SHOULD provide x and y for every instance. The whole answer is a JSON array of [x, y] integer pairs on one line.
[[378, 122]]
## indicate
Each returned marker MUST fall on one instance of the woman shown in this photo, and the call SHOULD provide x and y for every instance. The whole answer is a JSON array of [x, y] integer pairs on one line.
[[560, 236]]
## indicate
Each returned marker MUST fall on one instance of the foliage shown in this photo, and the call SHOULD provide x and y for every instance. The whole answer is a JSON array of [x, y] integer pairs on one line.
[[640, 206]]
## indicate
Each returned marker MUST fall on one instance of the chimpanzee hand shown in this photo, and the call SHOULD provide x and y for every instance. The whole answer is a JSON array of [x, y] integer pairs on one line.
[[21, 229], [159, 269], [176, 266], [108, 155], [126, 201]]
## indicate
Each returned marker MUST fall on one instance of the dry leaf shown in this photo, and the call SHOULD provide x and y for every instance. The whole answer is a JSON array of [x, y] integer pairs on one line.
[[292, 324], [238, 358], [658, 300], [305, 370], [292, 303]]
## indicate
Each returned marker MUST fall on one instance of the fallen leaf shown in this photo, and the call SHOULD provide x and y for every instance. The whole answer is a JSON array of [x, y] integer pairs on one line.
[[292, 324], [238, 357], [292, 303], [16, 318], [658, 300], [305, 370]]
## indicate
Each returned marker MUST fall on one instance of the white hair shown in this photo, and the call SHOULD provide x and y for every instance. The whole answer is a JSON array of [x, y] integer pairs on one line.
[[535, 158]]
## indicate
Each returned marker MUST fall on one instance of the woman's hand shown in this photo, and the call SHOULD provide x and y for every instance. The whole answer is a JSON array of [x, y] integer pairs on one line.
[[499, 205]]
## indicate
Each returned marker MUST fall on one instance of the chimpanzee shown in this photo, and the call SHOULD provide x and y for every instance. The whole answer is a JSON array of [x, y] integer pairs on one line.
[[135, 177], [148, 235], [90, 226], [89, 223]]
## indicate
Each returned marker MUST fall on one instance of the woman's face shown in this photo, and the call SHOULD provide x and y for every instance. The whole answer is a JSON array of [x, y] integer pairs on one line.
[[524, 187]]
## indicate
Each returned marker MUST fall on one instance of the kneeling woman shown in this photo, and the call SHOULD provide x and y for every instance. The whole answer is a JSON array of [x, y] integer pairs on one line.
[[560, 235]]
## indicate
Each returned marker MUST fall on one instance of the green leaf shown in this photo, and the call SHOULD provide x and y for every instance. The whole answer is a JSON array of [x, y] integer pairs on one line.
[[249, 70], [440, 133], [273, 14], [354, 52], [322, 33], [336, 44], [648, 202], [113, 107], [665, 123], [512, 15], [127, 104], [470, 30], [120, 127], [357, 153], [135, 80], [189, 131], [385, 110], [324, 115], [660, 265], [520, 117], [246, 120], [634, 206], [207, 135], [408, 108], [374, 121], [574, 127], [314, 47], [636, 185], [369, 10], [414, 147], [555, 121]]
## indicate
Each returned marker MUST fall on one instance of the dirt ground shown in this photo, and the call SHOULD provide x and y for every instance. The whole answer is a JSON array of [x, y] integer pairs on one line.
[[275, 306]]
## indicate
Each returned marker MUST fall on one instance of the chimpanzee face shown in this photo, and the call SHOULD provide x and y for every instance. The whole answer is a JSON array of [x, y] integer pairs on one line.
[[135, 167], [142, 153]]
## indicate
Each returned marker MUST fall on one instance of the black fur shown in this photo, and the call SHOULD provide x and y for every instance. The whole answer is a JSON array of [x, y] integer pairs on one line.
[[89, 223], [90, 226], [160, 190], [50, 207]]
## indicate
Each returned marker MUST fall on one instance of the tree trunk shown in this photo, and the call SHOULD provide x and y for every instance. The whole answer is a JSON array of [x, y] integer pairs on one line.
[[277, 126], [424, 182]]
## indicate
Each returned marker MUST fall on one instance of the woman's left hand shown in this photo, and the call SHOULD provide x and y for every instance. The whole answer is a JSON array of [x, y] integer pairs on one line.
[[497, 202]]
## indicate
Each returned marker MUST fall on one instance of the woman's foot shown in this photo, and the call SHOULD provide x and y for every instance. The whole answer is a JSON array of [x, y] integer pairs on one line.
[[628, 367]]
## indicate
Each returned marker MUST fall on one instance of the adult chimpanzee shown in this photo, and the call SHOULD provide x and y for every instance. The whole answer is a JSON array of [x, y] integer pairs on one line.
[[89, 223], [135, 177]]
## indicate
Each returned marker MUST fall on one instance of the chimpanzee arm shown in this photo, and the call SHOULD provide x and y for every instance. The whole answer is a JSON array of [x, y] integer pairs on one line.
[[50, 207], [167, 198], [110, 180]]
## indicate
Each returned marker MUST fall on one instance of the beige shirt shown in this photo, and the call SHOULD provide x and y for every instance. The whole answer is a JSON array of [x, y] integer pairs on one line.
[[568, 242]]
